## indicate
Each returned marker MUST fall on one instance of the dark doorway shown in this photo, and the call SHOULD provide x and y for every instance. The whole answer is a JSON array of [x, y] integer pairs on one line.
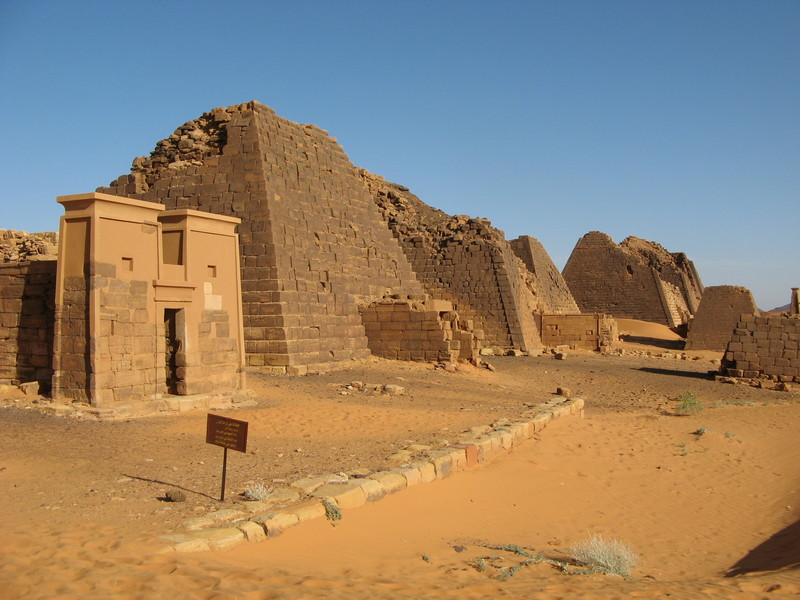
[[173, 318]]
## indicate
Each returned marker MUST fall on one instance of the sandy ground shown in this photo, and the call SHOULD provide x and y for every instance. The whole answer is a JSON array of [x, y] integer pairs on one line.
[[712, 514]]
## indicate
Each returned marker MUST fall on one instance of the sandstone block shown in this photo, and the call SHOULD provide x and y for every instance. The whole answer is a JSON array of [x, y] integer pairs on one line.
[[348, 495], [275, 523], [253, 532], [305, 511], [220, 539], [391, 482]]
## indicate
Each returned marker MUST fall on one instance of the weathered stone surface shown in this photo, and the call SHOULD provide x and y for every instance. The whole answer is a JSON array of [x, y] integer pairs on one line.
[[391, 482], [253, 532], [304, 511], [275, 523], [553, 294], [636, 279], [220, 539], [348, 495], [720, 310]]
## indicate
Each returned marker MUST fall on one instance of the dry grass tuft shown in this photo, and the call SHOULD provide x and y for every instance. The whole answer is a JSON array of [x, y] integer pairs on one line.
[[607, 556]]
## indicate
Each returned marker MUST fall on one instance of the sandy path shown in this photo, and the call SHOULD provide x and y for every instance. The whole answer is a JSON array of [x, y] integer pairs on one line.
[[692, 507]]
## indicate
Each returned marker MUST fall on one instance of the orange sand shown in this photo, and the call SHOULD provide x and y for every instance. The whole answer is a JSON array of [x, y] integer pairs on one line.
[[691, 518]]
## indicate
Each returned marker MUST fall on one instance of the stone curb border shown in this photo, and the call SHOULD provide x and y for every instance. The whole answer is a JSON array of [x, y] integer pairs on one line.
[[253, 524]]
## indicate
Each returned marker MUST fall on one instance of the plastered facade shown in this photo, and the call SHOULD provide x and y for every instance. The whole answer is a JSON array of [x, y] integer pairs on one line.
[[147, 302]]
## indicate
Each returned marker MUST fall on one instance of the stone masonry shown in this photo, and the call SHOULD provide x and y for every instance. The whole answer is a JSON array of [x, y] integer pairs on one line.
[[762, 346], [313, 244], [27, 300], [17, 246], [592, 332], [721, 308], [464, 261], [147, 303], [636, 279], [419, 328], [552, 293]]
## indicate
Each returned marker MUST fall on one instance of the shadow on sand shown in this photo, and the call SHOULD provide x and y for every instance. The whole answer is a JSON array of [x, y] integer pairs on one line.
[[780, 551], [658, 343], [174, 485], [677, 373]]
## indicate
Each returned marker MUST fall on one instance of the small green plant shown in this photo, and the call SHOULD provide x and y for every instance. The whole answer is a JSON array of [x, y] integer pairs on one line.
[[256, 492], [701, 432], [332, 511], [731, 436], [688, 404], [606, 556], [426, 558], [479, 564]]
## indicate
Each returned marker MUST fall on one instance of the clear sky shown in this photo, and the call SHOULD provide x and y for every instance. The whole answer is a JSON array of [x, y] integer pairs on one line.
[[677, 122]]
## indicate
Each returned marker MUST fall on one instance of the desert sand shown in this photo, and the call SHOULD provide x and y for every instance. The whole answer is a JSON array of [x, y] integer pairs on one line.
[[710, 502]]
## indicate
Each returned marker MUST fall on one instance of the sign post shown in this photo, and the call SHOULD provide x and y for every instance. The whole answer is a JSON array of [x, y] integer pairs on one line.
[[228, 433]]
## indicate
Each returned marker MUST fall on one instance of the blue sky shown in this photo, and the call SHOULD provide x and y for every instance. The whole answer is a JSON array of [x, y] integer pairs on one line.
[[677, 122]]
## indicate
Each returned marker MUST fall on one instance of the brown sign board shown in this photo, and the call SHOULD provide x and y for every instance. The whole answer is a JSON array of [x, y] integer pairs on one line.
[[226, 432]]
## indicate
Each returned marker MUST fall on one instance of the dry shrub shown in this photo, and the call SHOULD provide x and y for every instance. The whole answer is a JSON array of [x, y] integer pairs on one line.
[[607, 556]]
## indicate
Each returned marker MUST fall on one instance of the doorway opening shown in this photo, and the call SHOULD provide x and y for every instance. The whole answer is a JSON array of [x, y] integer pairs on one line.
[[173, 346]]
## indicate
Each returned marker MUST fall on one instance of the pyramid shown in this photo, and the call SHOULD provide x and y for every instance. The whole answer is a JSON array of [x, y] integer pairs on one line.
[[313, 244]]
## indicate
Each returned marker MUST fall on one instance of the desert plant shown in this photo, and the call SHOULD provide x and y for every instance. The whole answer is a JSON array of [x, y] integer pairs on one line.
[[607, 556], [688, 404], [256, 492], [332, 511]]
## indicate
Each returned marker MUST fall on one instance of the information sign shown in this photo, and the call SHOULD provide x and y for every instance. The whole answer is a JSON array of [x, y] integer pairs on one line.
[[226, 432]]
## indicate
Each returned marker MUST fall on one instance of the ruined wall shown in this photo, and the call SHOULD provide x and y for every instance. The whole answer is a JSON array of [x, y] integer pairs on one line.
[[464, 261], [27, 300], [312, 241], [636, 279], [551, 291], [764, 347], [418, 328], [592, 332], [17, 246], [720, 310]]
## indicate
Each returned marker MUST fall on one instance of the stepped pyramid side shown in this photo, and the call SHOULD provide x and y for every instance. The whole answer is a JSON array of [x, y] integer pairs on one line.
[[637, 279], [672, 267], [551, 291], [465, 261], [313, 244]]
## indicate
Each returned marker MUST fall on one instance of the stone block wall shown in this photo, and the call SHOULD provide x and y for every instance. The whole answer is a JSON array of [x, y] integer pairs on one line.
[[313, 245], [763, 346], [419, 329], [550, 290], [464, 261], [131, 326], [592, 332], [718, 315], [124, 345], [27, 301], [636, 279]]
